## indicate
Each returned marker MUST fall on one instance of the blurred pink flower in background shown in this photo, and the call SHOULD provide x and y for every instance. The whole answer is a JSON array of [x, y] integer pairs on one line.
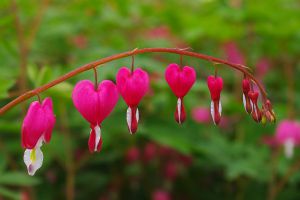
[[161, 194], [170, 170], [201, 115], [262, 67], [233, 53], [150, 151], [288, 135], [132, 154]]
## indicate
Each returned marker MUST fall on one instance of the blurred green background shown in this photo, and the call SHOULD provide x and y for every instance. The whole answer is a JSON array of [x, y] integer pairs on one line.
[[42, 40]]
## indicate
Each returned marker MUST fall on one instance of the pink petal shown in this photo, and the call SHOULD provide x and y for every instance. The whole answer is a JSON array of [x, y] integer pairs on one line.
[[180, 80], [215, 85], [132, 86], [34, 125], [48, 109], [108, 98], [86, 101]]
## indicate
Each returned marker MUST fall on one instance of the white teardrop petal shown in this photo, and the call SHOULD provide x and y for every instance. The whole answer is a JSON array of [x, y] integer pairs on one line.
[[289, 148], [98, 136], [128, 118], [179, 109], [137, 115], [220, 108], [212, 111], [244, 102], [33, 159]]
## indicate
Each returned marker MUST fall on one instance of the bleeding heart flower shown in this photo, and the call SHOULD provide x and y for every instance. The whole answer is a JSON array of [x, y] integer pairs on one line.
[[215, 85], [246, 100], [288, 134], [132, 86], [95, 104], [180, 81], [37, 128], [256, 113]]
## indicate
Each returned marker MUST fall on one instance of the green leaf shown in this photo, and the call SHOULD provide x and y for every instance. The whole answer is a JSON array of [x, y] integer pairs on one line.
[[18, 179], [10, 194]]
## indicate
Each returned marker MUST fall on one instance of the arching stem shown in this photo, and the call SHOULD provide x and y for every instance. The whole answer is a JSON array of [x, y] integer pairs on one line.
[[96, 63]]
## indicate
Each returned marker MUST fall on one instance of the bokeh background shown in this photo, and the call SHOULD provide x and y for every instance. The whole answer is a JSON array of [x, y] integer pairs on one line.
[[42, 40]]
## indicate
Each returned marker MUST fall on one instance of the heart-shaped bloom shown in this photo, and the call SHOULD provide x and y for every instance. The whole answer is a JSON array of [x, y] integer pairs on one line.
[[180, 81], [215, 85], [288, 134], [37, 128], [246, 100], [132, 86], [95, 104], [256, 113]]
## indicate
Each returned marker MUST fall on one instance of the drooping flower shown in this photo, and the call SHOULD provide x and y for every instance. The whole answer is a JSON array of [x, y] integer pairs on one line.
[[180, 81], [95, 104], [132, 86], [246, 100], [256, 113], [215, 85], [37, 128], [288, 135]]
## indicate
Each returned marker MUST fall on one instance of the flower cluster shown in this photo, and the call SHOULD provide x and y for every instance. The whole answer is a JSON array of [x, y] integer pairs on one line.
[[95, 102]]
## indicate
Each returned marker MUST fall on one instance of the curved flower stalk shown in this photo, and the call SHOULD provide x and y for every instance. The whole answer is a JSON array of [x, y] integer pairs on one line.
[[37, 128], [215, 85], [180, 81], [95, 104], [288, 135], [132, 86]]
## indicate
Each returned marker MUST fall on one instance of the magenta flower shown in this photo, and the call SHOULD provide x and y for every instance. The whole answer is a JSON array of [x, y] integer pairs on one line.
[[180, 81], [95, 104], [256, 113], [37, 128], [288, 135], [201, 115], [215, 85], [132, 86]]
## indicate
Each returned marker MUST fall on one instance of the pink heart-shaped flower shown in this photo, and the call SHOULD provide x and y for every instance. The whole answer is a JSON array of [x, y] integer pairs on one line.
[[180, 80], [95, 104], [132, 86]]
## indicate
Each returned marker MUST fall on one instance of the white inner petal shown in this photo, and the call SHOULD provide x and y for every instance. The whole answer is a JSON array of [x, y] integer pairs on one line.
[[98, 136], [289, 148], [128, 118], [33, 158], [179, 109], [244, 102], [212, 111], [220, 108], [137, 115]]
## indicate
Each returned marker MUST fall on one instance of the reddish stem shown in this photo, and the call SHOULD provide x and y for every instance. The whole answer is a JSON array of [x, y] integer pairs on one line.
[[96, 63]]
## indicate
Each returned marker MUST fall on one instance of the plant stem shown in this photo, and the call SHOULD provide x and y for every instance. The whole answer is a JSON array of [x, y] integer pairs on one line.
[[96, 63]]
